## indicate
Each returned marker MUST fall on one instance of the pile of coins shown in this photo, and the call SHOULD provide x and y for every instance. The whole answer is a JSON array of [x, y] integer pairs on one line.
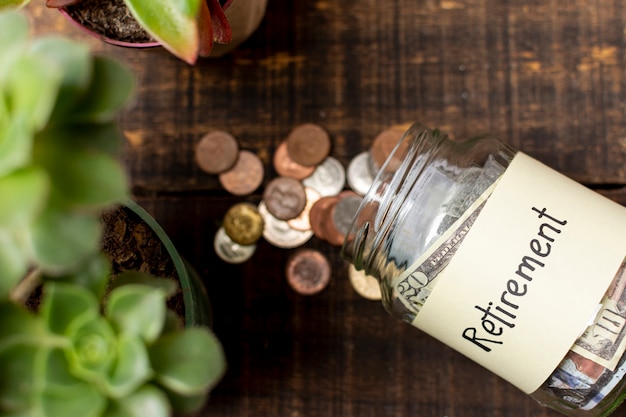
[[314, 195]]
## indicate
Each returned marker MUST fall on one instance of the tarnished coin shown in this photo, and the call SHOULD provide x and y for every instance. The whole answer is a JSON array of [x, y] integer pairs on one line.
[[383, 144], [217, 152], [308, 144], [278, 232], [359, 173], [320, 214], [243, 223], [303, 221], [245, 176], [308, 271], [230, 251], [287, 167], [365, 285], [329, 177], [285, 197]]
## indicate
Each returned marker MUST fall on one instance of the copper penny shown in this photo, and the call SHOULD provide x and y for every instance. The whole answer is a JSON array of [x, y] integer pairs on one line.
[[320, 214], [217, 152], [284, 197], [308, 144], [334, 226], [287, 167], [308, 271], [243, 223], [302, 221], [245, 176], [383, 145]]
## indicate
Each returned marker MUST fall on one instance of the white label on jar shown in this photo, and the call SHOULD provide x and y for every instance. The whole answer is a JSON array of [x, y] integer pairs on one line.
[[529, 274]]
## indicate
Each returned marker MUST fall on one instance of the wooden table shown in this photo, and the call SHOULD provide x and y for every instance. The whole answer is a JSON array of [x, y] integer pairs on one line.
[[548, 77]]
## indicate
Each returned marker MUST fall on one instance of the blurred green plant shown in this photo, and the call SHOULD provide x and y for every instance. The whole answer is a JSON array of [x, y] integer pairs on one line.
[[186, 28], [92, 348]]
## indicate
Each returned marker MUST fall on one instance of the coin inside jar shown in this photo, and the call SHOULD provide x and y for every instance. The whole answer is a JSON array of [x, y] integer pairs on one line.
[[285, 197], [308, 144], [308, 271], [217, 152], [243, 223], [383, 144], [245, 176]]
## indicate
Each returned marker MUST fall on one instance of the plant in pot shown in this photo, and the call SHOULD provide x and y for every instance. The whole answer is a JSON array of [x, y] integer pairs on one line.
[[186, 28], [81, 341]]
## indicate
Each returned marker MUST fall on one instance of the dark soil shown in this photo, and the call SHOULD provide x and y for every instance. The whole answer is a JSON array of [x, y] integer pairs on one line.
[[133, 246], [110, 18]]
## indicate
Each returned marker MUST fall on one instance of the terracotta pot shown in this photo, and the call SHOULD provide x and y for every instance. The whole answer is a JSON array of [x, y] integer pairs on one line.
[[244, 17]]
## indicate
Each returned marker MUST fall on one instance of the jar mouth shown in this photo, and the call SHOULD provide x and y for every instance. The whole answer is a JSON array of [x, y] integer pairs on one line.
[[383, 203]]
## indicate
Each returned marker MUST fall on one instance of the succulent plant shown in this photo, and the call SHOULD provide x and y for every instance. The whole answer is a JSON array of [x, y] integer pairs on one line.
[[94, 346], [186, 28]]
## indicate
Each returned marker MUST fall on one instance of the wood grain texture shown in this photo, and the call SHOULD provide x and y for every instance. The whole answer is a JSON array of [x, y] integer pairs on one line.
[[546, 76]]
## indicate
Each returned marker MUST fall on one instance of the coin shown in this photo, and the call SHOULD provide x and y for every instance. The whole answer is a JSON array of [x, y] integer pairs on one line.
[[217, 152], [329, 177], [243, 223], [287, 167], [230, 251], [383, 144], [359, 173], [303, 221], [308, 271], [308, 144], [344, 211], [365, 285], [285, 197], [278, 232], [320, 214], [245, 176]]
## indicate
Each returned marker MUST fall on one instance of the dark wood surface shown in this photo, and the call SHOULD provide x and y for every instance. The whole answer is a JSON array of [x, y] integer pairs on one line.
[[546, 76]]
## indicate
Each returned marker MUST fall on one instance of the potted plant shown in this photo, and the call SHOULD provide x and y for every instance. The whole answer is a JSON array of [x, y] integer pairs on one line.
[[187, 28], [83, 343]]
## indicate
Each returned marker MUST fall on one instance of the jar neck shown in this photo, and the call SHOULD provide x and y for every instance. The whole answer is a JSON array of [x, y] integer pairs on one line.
[[423, 164]]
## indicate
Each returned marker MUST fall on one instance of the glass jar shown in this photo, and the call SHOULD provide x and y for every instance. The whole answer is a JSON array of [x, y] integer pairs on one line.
[[503, 259]]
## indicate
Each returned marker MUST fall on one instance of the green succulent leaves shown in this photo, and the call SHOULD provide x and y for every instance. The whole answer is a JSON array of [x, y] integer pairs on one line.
[[58, 149], [172, 23], [111, 360]]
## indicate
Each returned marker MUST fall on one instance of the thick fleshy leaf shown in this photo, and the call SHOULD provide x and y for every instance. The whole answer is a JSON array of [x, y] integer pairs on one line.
[[222, 31], [24, 193], [17, 385], [172, 23], [131, 369], [93, 353], [184, 404], [111, 88], [205, 30], [14, 27], [65, 304], [63, 240], [18, 326], [78, 175], [147, 401], [189, 362], [137, 310], [76, 68], [63, 395], [13, 263], [16, 143], [8, 4], [31, 89], [93, 274]]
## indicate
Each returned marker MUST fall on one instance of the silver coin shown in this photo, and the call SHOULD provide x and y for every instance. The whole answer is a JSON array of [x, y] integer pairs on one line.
[[328, 179], [230, 251], [278, 232], [344, 212], [360, 176], [365, 285]]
